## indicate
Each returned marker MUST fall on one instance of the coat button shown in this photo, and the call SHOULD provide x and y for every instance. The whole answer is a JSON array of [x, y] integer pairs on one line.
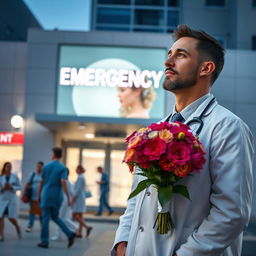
[[148, 193], [141, 229]]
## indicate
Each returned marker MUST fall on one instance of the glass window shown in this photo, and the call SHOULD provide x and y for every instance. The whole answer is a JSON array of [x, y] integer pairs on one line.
[[173, 18], [254, 3], [72, 161], [149, 17], [114, 2], [217, 3], [173, 3], [113, 16], [117, 28], [121, 180], [145, 29], [254, 43], [149, 2], [13, 154]]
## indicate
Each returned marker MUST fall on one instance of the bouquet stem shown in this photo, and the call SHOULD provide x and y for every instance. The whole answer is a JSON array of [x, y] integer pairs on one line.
[[164, 222]]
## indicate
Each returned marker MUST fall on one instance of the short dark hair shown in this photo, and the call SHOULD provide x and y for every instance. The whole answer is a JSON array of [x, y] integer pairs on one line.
[[208, 46], [41, 163], [57, 152]]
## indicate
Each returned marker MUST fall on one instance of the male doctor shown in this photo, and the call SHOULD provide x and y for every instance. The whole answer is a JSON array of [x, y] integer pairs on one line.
[[212, 222]]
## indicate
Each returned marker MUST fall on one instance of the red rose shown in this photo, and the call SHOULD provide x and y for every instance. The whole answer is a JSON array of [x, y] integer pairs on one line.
[[197, 161], [154, 148], [179, 152]]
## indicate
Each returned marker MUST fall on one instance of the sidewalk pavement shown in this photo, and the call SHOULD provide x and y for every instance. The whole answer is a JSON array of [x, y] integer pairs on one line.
[[99, 242], [89, 216]]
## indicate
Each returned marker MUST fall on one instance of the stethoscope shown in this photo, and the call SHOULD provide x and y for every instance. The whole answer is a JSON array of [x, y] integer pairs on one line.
[[197, 119]]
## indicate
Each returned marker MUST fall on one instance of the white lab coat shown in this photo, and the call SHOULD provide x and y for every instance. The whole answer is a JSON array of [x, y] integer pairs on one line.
[[65, 212], [79, 190], [8, 198], [221, 194]]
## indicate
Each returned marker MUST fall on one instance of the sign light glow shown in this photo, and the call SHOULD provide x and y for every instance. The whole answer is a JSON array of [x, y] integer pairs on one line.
[[109, 78]]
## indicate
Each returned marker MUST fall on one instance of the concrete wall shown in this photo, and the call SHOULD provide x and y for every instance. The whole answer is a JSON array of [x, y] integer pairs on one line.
[[246, 20], [213, 20], [13, 66]]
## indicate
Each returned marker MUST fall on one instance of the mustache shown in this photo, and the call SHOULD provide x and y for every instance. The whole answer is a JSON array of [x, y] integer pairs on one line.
[[171, 69]]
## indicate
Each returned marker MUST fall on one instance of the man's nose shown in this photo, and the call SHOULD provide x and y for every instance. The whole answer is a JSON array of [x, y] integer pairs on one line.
[[169, 62]]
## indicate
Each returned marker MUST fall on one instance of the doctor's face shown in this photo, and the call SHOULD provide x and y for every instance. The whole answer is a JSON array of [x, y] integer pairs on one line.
[[182, 65], [128, 96]]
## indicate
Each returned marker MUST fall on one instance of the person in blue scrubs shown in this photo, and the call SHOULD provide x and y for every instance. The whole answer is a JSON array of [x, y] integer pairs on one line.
[[104, 189], [51, 188]]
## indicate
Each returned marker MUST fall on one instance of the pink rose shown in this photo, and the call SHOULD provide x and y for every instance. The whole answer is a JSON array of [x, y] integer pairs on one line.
[[197, 161], [160, 126], [154, 148], [127, 139], [179, 152]]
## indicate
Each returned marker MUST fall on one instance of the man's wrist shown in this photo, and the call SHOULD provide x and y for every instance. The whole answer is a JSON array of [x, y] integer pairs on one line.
[[124, 243]]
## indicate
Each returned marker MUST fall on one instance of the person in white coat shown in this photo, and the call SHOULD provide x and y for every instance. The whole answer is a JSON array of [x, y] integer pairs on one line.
[[65, 213], [9, 184], [212, 222], [78, 205]]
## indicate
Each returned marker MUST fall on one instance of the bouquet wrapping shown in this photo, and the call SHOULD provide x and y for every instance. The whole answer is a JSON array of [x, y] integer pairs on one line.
[[165, 153]]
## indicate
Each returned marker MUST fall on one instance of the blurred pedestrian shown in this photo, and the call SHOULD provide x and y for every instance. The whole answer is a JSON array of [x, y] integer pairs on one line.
[[9, 184], [54, 178], [35, 208], [104, 189], [65, 213], [79, 201]]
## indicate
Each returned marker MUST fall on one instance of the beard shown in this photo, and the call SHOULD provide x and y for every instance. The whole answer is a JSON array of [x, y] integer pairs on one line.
[[178, 84]]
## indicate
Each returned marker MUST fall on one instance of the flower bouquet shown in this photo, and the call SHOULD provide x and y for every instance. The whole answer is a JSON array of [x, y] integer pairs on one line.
[[165, 153]]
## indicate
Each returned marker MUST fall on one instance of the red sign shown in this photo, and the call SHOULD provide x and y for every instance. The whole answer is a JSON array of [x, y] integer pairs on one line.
[[11, 138]]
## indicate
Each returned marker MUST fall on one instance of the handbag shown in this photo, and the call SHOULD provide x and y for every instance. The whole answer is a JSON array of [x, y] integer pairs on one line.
[[27, 194], [87, 194]]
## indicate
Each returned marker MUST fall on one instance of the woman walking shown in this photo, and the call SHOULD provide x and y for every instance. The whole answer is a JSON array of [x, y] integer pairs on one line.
[[79, 202], [35, 209], [9, 184]]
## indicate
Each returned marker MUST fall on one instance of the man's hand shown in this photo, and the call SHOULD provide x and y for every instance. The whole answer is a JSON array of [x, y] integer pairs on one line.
[[121, 249]]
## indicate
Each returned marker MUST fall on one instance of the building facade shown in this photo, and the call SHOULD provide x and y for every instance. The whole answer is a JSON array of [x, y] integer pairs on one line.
[[44, 81], [15, 19], [230, 21]]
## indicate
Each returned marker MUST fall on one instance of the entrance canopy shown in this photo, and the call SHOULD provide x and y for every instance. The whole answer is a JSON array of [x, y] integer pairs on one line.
[[97, 128]]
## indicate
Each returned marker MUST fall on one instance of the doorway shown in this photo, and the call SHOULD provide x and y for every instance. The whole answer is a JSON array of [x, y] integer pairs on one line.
[[109, 156]]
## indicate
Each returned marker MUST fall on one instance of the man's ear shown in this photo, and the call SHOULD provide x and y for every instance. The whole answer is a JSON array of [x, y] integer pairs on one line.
[[207, 68]]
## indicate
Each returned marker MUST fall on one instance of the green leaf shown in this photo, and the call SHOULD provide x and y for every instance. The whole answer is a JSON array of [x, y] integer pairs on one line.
[[165, 194], [182, 190], [141, 186]]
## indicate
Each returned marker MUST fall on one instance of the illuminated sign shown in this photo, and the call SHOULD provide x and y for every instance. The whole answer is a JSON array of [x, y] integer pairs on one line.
[[11, 138], [110, 81], [110, 78]]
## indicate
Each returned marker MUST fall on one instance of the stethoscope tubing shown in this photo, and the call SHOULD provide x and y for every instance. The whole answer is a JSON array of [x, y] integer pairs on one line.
[[197, 119]]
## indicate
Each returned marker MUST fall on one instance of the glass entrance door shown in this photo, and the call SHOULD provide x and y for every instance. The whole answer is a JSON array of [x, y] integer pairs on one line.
[[121, 180], [91, 159], [110, 158]]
